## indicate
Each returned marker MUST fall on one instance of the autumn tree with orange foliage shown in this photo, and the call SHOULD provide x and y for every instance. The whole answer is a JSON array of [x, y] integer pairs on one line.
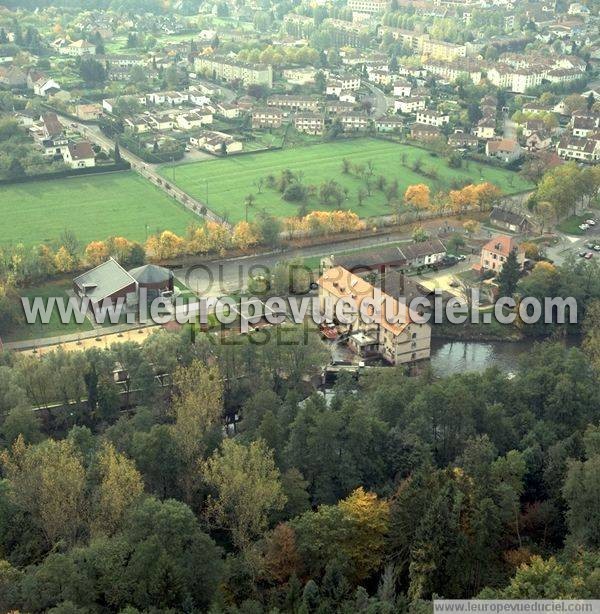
[[96, 253], [64, 261], [281, 559], [164, 245], [487, 194], [418, 196], [326, 222], [245, 235]]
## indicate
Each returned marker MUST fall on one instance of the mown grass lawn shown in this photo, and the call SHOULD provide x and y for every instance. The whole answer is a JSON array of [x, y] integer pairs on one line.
[[93, 207], [226, 182]]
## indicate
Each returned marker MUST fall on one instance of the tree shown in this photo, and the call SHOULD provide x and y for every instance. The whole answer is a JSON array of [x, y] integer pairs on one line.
[[23, 422], [420, 234], [269, 228], [417, 196], [508, 278], [64, 261], [368, 518], [197, 407], [96, 253], [247, 489], [47, 481], [248, 204], [471, 226], [281, 558], [581, 488], [245, 235], [92, 71], [119, 489], [118, 157]]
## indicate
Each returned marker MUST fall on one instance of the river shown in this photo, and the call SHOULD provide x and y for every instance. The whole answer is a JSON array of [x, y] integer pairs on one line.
[[450, 357]]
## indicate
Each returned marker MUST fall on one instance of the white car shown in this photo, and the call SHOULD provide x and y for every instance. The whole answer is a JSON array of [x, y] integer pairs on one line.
[[583, 226], [590, 222]]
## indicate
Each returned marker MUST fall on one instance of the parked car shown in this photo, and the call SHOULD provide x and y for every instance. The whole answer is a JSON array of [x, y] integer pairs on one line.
[[590, 245], [461, 258], [590, 222], [596, 248], [583, 254], [583, 226], [589, 255]]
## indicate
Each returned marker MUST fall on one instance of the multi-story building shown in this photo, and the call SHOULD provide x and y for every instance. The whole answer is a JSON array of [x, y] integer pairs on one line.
[[267, 118], [353, 122], [234, 70], [425, 133], [451, 71], [495, 252], [432, 118], [564, 75], [391, 329], [300, 76], [575, 148], [402, 88], [310, 123], [78, 49], [486, 128], [389, 124], [370, 7], [525, 78], [411, 104], [462, 140], [293, 102], [441, 50]]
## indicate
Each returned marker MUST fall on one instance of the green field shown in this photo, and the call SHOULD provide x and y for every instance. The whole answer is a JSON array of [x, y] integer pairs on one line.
[[227, 181], [93, 207]]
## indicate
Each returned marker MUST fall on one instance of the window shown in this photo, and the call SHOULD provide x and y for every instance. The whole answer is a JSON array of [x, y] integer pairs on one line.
[[414, 335]]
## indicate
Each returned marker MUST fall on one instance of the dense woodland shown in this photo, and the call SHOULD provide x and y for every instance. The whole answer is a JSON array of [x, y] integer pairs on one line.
[[397, 490]]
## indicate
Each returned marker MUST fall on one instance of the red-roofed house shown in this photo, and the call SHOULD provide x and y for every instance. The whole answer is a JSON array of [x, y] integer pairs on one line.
[[495, 252]]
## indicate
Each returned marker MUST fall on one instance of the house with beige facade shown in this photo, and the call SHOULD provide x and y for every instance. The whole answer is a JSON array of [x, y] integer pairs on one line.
[[388, 329]]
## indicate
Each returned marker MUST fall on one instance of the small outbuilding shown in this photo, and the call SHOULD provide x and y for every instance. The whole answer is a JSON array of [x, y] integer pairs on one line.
[[155, 279]]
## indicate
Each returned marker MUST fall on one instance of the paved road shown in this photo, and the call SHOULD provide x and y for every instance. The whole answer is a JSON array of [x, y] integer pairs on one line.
[[214, 279], [382, 103], [510, 128], [148, 171]]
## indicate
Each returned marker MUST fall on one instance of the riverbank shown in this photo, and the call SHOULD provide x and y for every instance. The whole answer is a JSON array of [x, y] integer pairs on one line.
[[494, 331]]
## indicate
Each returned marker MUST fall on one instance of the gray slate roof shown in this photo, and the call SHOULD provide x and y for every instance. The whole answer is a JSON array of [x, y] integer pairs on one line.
[[151, 274], [103, 280]]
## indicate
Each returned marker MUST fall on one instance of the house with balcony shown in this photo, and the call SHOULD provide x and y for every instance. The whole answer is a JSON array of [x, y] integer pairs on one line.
[[384, 326]]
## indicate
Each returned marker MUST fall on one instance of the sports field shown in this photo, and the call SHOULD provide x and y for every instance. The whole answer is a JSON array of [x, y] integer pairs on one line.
[[226, 182], [92, 207]]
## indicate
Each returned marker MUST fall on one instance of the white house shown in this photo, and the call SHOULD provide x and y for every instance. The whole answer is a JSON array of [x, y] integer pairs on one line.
[[432, 118], [402, 88], [80, 155], [78, 49], [410, 104]]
